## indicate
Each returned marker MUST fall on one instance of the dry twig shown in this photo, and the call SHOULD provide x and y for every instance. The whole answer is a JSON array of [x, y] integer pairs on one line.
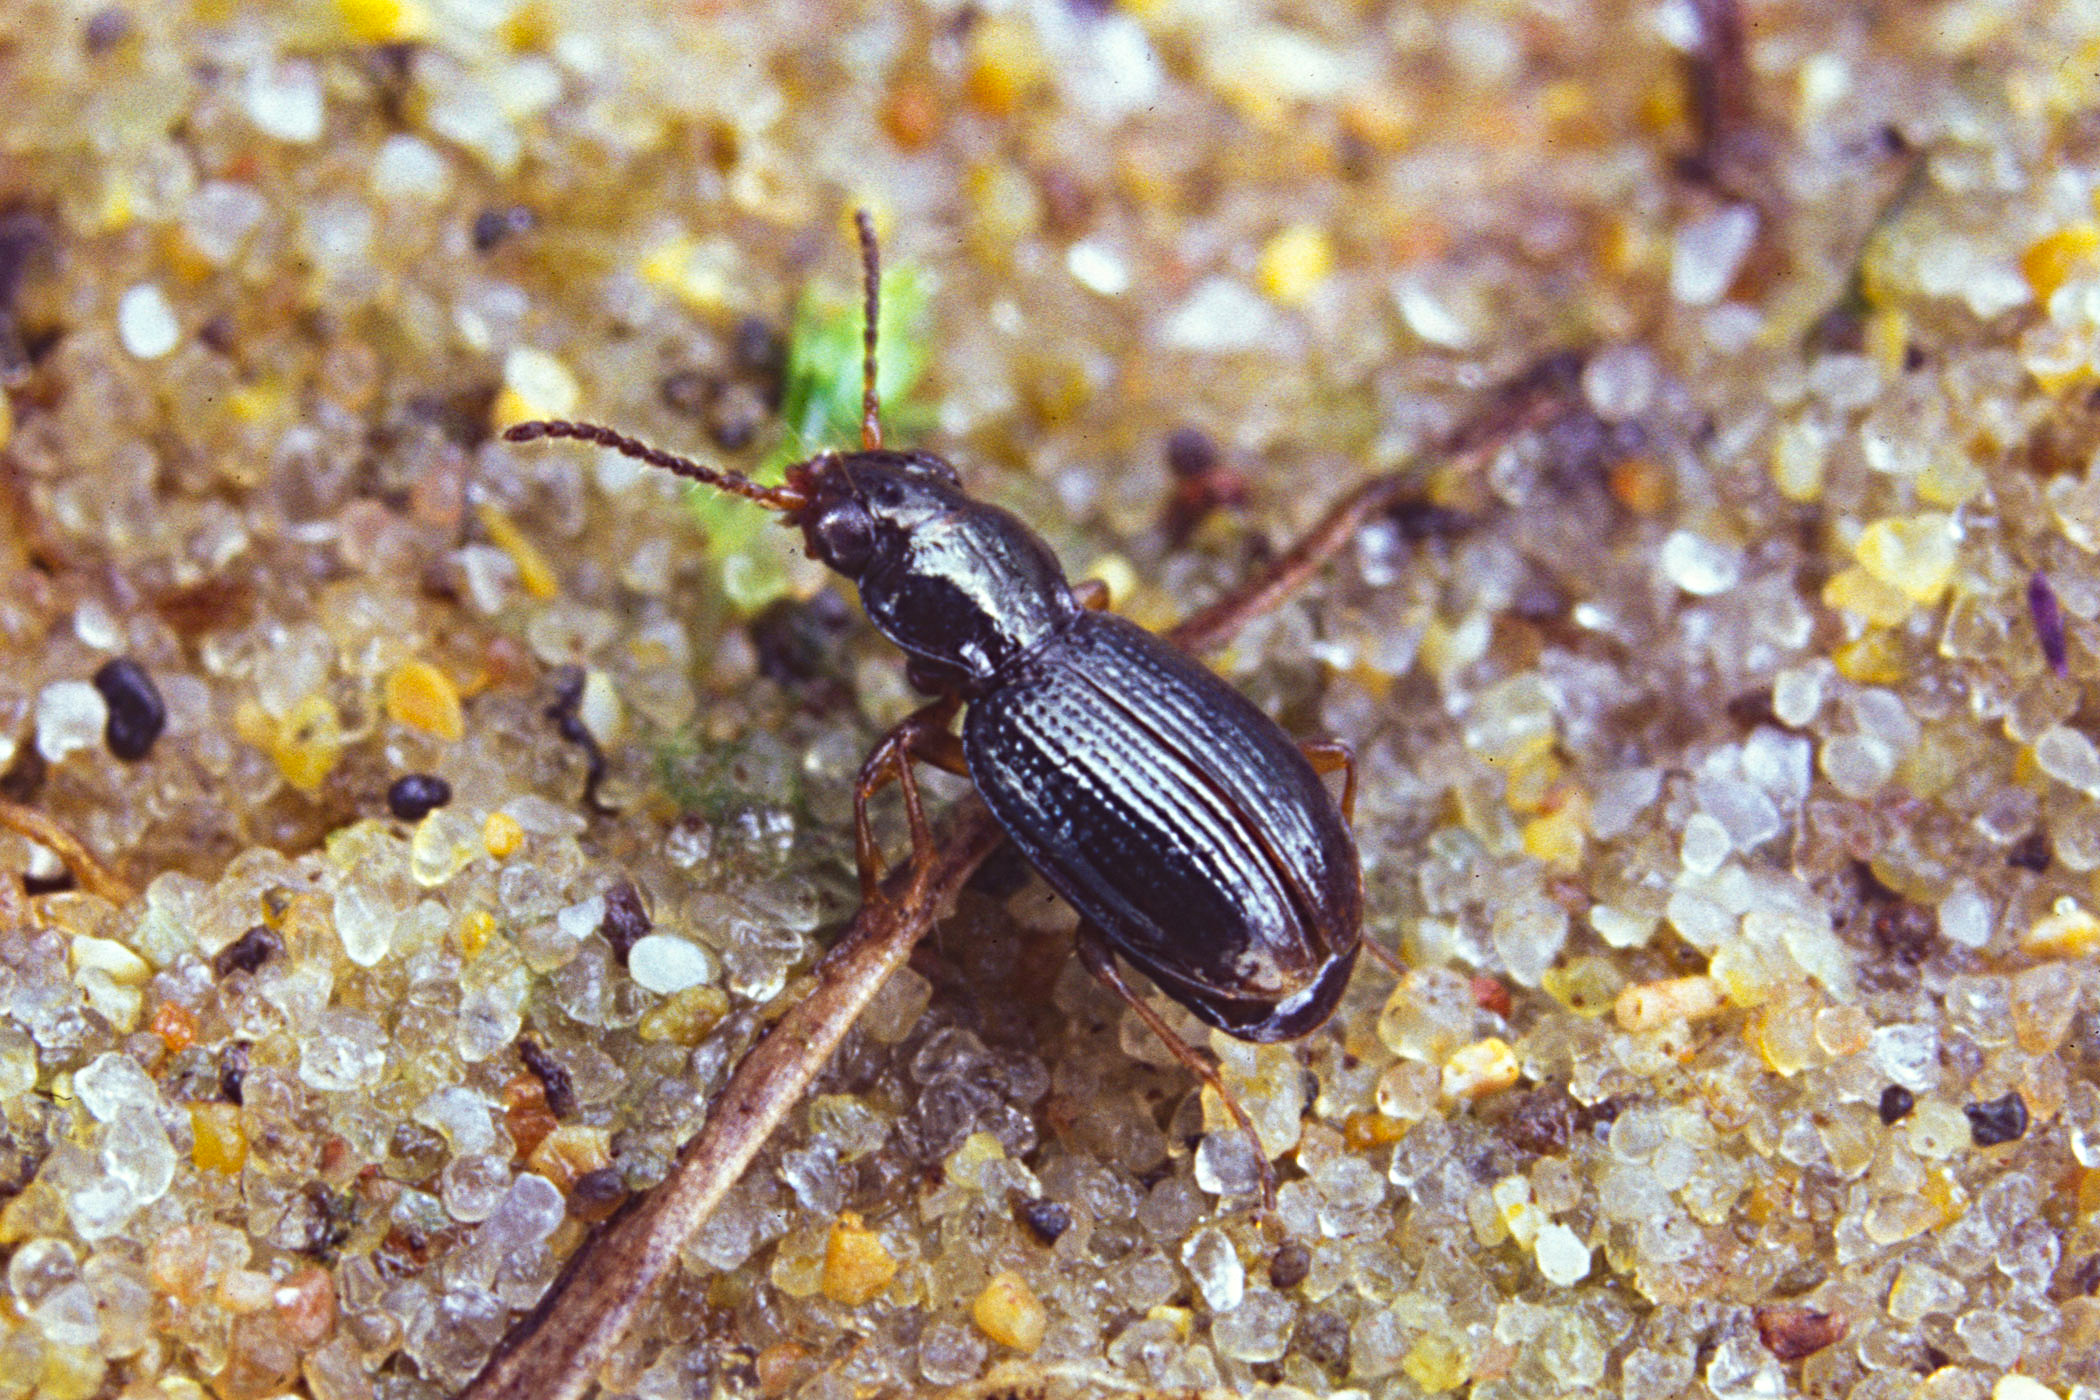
[[93, 876]]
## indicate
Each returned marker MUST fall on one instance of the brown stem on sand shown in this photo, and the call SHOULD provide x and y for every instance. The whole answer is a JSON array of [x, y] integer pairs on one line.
[[93, 876]]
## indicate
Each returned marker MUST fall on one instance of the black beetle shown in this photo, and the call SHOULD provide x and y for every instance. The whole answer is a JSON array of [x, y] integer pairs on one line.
[[1191, 833]]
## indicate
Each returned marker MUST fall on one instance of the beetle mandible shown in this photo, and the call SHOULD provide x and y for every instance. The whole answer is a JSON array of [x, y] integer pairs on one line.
[[1192, 835]]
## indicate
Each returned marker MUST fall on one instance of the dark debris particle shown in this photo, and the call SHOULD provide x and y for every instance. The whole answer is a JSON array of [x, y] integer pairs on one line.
[[1796, 1333], [735, 415], [759, 350], [1904, 931], [1322, 1338], [687, 392], [24, 778], [1044, 1219], [1753, 708], [106, 28], [219, 334], [416, 795], [248, 952], [2031, 852], [1421, 520], [1289, 1266], [1202, 482], [2048, 623], [1896, 1104], [566, 712], [333, 1217], [1068, 205], [496, 226], [1997, 1122], [561, 1093], [1544, 1121], [596, 1195], [1191, 453], [2084, 1278], [137, 714], [626, 920], [233, 1071], [798, 642]]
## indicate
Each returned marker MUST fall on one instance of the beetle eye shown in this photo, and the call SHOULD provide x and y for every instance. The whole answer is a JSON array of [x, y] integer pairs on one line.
[[844, 537]]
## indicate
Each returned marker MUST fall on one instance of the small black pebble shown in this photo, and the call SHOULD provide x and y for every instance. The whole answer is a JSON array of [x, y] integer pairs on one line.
[[1289, 1266], [1896, 1103], [758, 347], [493, 226], [1191, 453], [1999, 1121], [1046, 1220], [136, 712], [626, 920], [554, 1080], [596, 1195], [248, 952], [2085, 1276], [416, 796], [107, 28], [233, 1069], [2031, 852]]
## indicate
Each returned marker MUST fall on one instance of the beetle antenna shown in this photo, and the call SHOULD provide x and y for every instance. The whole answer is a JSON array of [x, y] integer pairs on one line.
[[771, 497], [871, 286]]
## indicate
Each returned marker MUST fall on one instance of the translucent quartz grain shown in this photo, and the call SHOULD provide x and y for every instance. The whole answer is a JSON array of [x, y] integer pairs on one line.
[[1708, 252], [2069, 757], [146, 324], [1798, 692], [1699, 566], [70, 716], [1620, 381], [1215, 1266]]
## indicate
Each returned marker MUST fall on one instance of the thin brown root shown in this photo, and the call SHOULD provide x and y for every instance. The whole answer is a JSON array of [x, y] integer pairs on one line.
[[90, 873], [1385, 955]]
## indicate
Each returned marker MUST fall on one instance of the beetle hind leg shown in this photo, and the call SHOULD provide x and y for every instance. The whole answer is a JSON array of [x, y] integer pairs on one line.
[[1327, 756], [1331, 755], [1096, 956], [920, 737]]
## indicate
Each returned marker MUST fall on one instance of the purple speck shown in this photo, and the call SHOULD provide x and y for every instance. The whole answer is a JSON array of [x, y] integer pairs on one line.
[[2048, 623]]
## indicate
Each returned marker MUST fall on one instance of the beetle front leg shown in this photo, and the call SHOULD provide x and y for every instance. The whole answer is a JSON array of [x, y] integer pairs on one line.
[[1098, 958], [1091, 594], [920, 737]]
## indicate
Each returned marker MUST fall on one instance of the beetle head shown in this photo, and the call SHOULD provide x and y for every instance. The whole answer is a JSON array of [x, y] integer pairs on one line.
[[860, 508]]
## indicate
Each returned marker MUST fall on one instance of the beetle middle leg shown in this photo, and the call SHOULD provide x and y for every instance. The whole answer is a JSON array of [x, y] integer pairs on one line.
[[1097, 957], [1326, 756], [922, 736]]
